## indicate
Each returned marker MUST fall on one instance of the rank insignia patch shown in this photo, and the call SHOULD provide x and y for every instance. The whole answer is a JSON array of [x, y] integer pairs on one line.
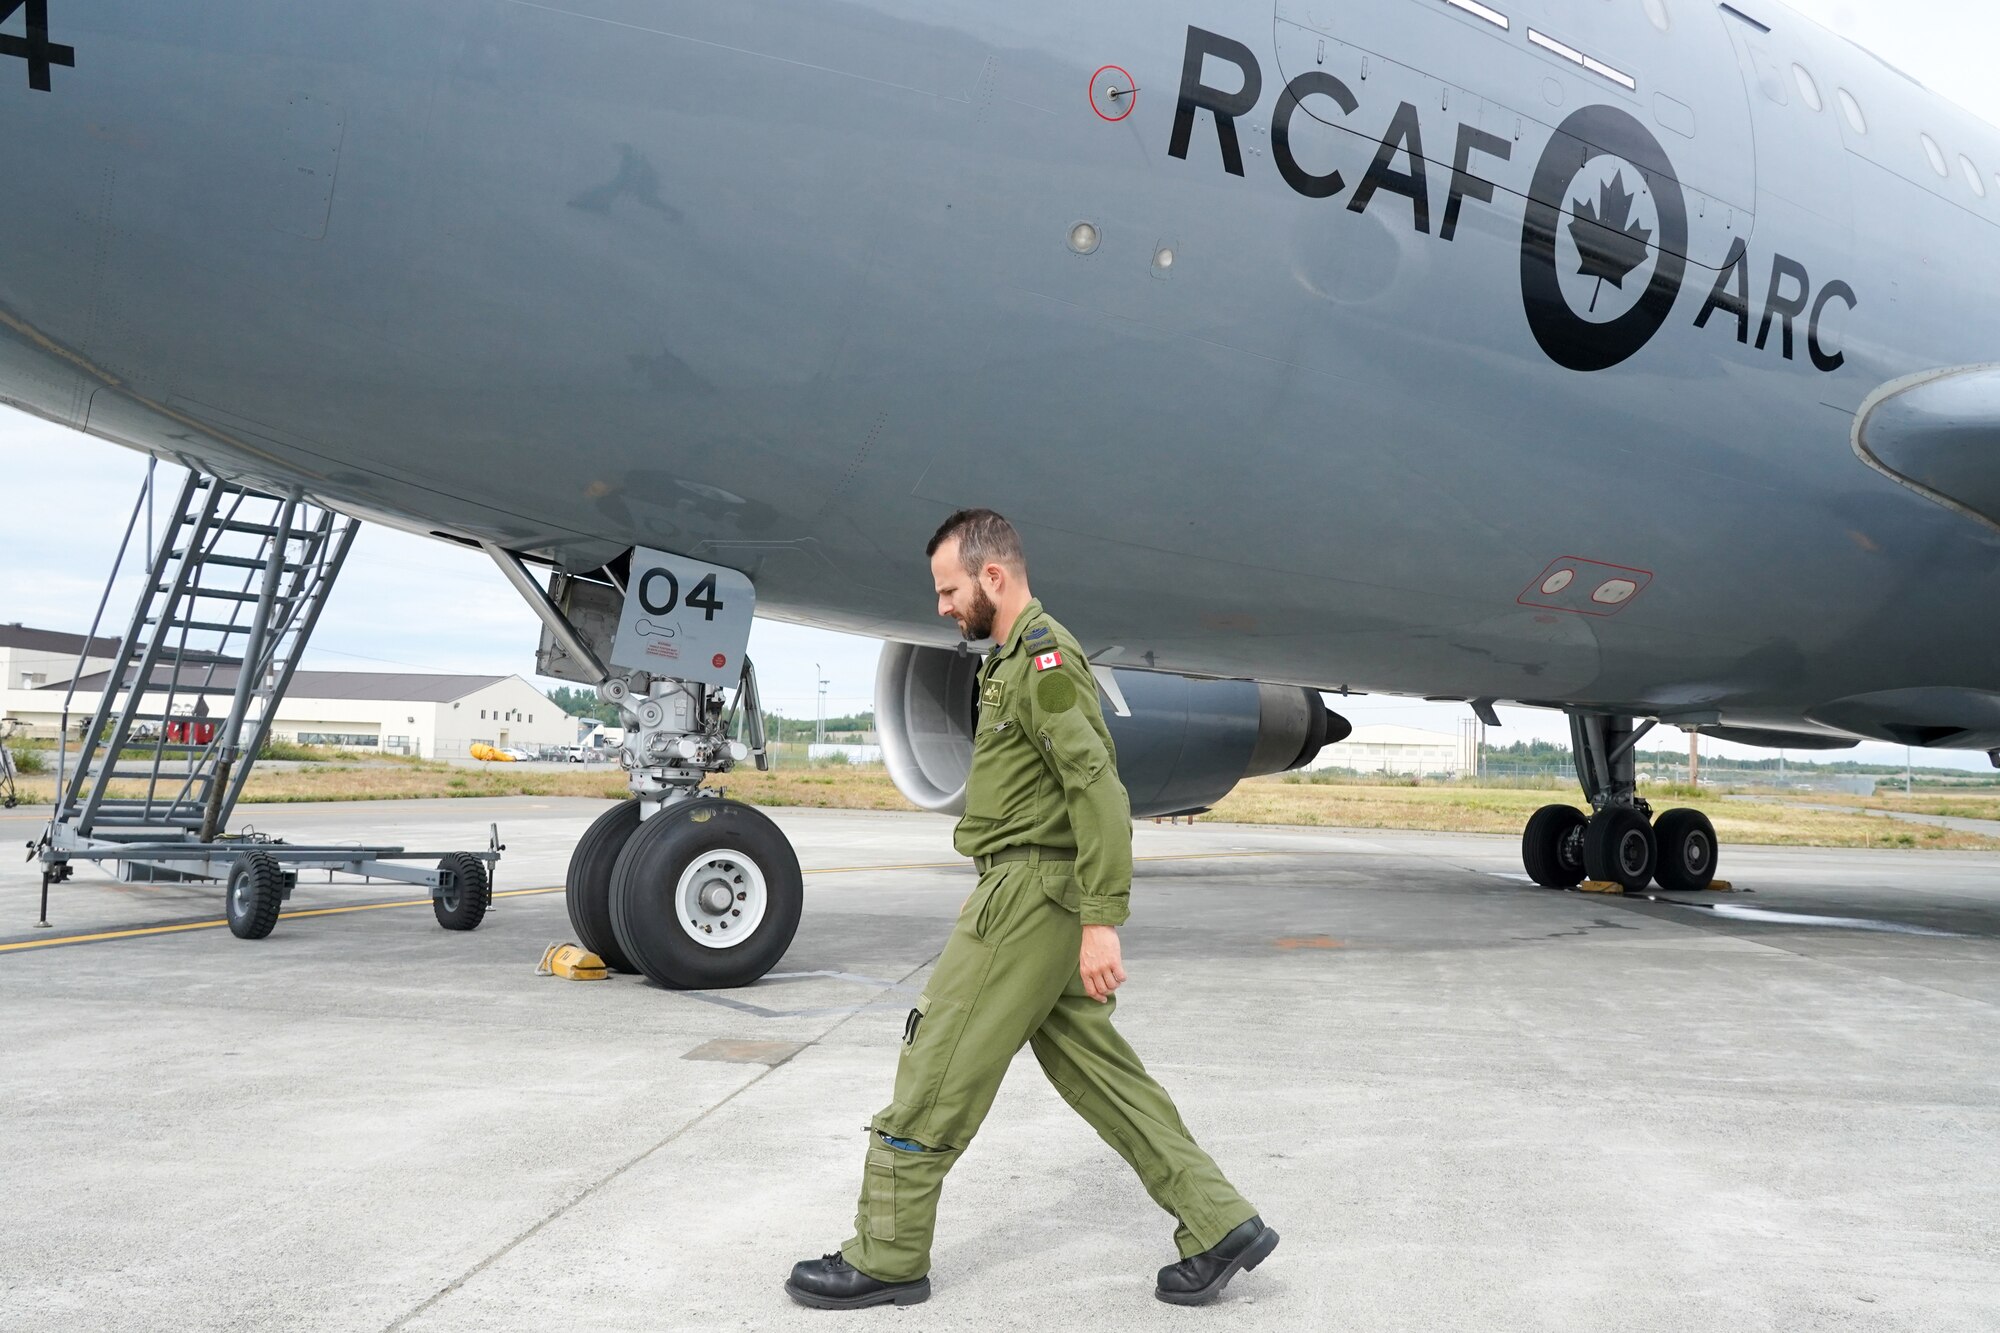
[[1048, 661]]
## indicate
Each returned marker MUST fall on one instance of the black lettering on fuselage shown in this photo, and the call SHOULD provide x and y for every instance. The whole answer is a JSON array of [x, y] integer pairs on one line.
[[1788, 296], [1464, 184], [1225, 107], [1788, 307], [35, 48], [1732, 291], [1821, 358], [1406, 135], [1732, 294], [1309, 84]]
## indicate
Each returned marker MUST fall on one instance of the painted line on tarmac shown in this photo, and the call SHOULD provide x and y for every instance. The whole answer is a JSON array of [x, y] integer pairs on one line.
[[179, 927], [104, 936]]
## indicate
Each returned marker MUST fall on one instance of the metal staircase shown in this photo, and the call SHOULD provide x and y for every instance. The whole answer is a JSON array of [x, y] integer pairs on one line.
[[234, 590]]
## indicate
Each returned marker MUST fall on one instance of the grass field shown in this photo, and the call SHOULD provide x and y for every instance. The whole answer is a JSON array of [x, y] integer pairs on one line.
[[1962, 805], [1441, 807], [1506, 810], [834, 785]]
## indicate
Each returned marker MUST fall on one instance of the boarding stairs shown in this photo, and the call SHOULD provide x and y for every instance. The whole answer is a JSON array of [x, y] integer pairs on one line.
[[234, 589], [234, 586]]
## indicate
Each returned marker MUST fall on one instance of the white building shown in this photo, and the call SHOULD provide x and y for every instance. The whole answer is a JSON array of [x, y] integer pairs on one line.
[[32, 658], [599, 736], [398, 712], [1408, 751]]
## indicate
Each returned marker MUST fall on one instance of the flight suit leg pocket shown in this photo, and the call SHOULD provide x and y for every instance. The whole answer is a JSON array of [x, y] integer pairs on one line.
[[1061, 888], [878, 1194]]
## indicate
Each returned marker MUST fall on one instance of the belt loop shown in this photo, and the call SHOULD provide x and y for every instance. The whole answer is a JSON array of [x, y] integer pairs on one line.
[[1035, 857]]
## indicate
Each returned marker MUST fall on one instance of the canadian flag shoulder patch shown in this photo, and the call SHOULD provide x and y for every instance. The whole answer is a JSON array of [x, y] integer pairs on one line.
[[1048, 661]]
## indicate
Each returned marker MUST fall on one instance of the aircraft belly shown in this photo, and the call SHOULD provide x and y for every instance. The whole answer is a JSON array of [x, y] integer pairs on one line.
[[777, 287]]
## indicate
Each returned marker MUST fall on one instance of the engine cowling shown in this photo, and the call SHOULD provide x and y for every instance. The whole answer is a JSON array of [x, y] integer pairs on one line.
[[1184, 745]]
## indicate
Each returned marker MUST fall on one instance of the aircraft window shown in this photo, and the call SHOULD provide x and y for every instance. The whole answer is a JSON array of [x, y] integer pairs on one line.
[[1591, 63], [1656, 10], [1478, 10], [1935, 154], [1852, 110], [1972, 176], [1807, 88]]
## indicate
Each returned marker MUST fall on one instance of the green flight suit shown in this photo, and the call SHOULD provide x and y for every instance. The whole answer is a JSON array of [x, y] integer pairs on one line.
[[1049, 826]]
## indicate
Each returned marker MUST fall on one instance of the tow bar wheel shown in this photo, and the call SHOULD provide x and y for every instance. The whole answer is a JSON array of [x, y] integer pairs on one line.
[[256, 892], [463, 905]]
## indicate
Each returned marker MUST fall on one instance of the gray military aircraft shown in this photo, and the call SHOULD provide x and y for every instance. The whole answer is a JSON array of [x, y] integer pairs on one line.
[[1616, 356]]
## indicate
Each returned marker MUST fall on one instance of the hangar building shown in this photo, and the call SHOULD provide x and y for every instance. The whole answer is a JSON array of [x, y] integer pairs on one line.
[[1411, 751]]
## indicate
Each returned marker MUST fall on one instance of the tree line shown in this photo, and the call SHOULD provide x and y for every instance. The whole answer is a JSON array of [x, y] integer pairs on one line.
[[584, 703]]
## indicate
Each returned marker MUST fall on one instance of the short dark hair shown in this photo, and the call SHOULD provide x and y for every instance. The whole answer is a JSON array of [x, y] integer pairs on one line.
[[983, 538]]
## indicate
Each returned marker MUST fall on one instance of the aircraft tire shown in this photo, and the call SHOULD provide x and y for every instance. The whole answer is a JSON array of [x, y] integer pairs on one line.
[[1552, 846], [587, 888], [255, 893], [706, 895], [1618, 848], [463, 906], [1687, 851]]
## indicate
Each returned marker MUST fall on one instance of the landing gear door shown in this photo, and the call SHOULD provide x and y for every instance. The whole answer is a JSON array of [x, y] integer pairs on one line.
[[684, 618]]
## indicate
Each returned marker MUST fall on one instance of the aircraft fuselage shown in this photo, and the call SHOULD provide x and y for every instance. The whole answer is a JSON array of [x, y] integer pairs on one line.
[[1365, 344]]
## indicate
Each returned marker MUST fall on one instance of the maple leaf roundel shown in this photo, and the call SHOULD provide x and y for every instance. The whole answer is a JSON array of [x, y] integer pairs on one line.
[[1612, 244]]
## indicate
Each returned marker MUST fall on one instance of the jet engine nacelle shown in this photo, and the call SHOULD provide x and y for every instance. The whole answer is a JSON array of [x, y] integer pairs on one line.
[[1184, 745]]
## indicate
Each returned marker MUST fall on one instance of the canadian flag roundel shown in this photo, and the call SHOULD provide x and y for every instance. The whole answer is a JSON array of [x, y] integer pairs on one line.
[[1048, 661]]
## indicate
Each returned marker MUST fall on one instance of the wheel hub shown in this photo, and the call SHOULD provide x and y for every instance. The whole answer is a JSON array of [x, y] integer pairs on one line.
[[716, 898], [1570, 850], [721, 898]]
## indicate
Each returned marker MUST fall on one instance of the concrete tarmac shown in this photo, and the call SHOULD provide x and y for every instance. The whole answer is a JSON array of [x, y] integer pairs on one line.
[[1465, 1102]]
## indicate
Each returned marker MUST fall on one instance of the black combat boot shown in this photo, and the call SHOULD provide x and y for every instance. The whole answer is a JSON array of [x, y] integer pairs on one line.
[[831, 1283], [1199, 1280]]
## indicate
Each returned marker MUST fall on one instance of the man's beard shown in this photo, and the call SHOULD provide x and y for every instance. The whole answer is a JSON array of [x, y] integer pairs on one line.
[[978, 622]]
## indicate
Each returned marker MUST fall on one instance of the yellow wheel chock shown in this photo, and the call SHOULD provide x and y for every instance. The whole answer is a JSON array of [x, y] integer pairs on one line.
[[572, 962]]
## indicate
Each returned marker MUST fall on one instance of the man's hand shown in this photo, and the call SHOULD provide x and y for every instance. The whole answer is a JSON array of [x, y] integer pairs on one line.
[[1101, 964]]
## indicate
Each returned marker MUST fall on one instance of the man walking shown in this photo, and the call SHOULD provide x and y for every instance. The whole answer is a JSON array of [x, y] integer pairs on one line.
[[1034, 958]]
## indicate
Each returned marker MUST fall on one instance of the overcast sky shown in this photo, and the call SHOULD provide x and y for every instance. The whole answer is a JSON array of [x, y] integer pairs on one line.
[[408, 602]]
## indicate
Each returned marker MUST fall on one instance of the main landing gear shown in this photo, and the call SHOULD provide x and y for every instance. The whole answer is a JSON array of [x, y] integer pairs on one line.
[[696, 891], [1619, 842]]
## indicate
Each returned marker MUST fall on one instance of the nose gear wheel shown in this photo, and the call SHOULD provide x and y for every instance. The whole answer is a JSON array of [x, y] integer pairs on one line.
[[722, 898]]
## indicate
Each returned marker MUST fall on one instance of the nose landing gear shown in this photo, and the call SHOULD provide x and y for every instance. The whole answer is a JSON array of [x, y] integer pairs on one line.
[[1619, 842], [694, 890]]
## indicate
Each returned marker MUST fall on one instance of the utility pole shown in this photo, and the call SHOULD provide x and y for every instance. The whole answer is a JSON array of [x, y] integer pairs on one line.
[[819, 725], [1694, 759], [1906, 770]]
